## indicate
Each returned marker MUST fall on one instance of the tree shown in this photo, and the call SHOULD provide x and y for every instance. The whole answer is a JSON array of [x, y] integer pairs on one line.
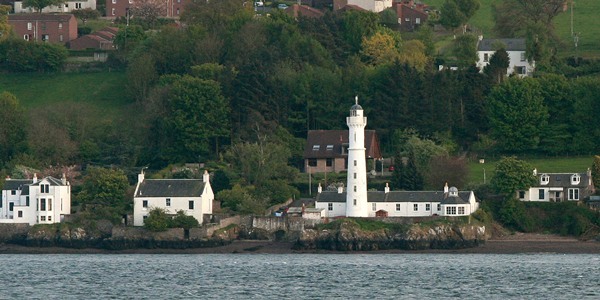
[[513, 17], [86, 14], [128, 37], [148, 11], [382, 47], [195, 116], [240, 199], [157, 220], [465, 50], [104, 193], [498, 65], [39, 5], [517, 114], [5, 28], [455, 13], [217, 16], [406, 176], [453, 170], [596, 170], [512, 175], [13, 135], [141, 76], [413, 53], [181, 220]]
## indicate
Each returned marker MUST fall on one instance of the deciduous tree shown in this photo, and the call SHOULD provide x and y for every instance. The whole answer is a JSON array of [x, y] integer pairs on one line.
[[512, 175], [13, 128], [39, 5], [5, 28], [86, 14], [104, 191], [455, 13]]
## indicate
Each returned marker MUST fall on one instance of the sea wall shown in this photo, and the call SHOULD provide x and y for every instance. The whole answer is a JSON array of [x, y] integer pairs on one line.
[[349, 237]]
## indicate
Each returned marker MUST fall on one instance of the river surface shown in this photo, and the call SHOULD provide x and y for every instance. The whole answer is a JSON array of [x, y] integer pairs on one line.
[[299, 276]]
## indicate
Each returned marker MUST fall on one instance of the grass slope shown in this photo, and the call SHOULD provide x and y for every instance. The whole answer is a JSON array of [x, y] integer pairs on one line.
[[543, 165], [105, 90]]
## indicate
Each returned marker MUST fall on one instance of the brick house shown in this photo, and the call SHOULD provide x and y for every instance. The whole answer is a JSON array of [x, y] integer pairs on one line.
[[327, 150], [410, 15], [119, 8], [302, 10], [52, 28], [99, 40]]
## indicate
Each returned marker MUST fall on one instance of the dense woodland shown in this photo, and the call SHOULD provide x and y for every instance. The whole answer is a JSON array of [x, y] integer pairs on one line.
[[239, 91]]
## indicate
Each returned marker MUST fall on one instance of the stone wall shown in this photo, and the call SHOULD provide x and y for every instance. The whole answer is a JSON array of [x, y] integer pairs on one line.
[[10, 232]]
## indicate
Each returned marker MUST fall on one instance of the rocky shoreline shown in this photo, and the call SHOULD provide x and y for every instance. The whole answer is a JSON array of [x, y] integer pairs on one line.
[[510, 244]]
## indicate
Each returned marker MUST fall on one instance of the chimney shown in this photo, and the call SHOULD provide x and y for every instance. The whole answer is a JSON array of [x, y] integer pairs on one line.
[[141, 176], [535, 172], [446, 188], [34, 177], [340, 189], [205, 176], [387, 187], [63, 179], [319, 189]]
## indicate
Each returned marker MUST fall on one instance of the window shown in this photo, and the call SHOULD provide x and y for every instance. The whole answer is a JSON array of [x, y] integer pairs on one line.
[[13, 192], [316, 147], [573, 194], [45, 38], [42, 204], [486, 57], [49, 204], [329, 206], [427, 207], [521, 194], [59, 25], [312, 162], [177, 10], [439, 207], [26, 37], [77, 5], [355, 188], [113, 10], [27, 201], [145, 217], [522, 56], [406, 19], [11, 206], [114, 2], [461, 210], [545, 179], [374, 206], [29, 26], [329, 162], [60, 38], [354, 175], [168, 202], [354, 202], [355, 163], [44, 188], [191, 204], [20, 214], [397, 206], [415, 207], [451, 210], [329, 147], [43, 218], [49, 218], [520, 70], [418, 21], [541, 194], [145, 203]]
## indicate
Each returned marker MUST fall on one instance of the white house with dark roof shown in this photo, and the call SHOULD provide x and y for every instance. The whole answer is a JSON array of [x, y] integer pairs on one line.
[[357, 201], [66, 7], [449, 202], [559, 187], [35, 201], [193, 196], [516, 49]]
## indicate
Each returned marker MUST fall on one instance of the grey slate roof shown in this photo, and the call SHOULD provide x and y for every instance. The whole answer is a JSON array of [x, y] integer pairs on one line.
[[509, 44], [171, 188], [336, 139], [399, 196], [563, 180], [15, 184], [23, 184]]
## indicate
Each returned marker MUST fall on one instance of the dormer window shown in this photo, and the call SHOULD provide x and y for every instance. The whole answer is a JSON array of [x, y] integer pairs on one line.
[[316, 147], [544, 179], [329, 147], [575, 179]]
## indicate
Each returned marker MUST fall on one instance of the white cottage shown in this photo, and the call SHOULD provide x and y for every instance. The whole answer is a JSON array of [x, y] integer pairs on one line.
[[35, 201], [193, 196], [558, 187], [516, 49], [66, 7]]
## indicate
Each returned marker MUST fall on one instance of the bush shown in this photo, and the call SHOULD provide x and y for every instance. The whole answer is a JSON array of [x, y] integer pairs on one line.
[[21, 56], [157, 220]]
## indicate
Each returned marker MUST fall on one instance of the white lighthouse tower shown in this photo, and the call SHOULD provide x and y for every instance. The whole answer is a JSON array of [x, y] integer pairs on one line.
[[356, 189]]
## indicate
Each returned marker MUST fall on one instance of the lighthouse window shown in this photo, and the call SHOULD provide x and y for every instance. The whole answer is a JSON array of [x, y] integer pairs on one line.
[[354, 175], [355, 163], [354, 202], [355, 188]]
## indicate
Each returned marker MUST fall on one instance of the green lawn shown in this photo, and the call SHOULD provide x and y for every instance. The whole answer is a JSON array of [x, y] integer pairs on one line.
[[105, 90], [543, 165]]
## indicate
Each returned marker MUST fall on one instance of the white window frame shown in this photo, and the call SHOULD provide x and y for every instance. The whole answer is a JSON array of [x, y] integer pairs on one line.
[[574, 194], [398, 206], [374, 206], [415, 207], [330, 206]]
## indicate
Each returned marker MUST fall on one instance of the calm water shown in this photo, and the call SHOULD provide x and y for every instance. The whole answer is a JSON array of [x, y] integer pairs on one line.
[[306, 276]]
